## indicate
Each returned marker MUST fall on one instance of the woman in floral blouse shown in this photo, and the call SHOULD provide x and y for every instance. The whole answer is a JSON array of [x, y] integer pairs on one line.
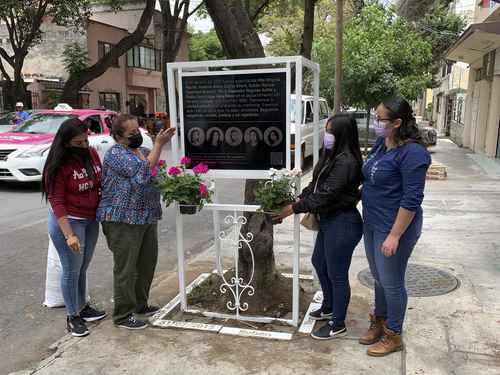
[[129, 211]]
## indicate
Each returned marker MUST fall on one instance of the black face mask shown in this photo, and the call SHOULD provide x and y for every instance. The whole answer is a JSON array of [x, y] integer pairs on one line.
[[82, 152], [135, 140]]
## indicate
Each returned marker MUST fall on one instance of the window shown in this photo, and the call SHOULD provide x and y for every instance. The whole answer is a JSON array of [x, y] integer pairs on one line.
[[110, 101], [460, 106], [94, 124], [103, 48], [438, 104], [144, 58], [323, 111], [309, 112]]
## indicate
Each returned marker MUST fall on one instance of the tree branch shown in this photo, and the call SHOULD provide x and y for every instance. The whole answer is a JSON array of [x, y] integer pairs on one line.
[[4, 71], [6, 57], [259, 9], [196, 9]]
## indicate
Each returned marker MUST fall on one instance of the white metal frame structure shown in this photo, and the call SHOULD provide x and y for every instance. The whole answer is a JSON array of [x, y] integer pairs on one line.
[[236, 286]]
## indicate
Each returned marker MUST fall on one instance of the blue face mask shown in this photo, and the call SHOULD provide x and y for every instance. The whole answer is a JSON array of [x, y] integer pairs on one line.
[[329, 141]]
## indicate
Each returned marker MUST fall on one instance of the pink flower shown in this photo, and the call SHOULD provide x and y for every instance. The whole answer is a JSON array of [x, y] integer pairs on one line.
[[203, 189], [154, 172], [174, 171], [185, 160], [161, 163], [200, 169]]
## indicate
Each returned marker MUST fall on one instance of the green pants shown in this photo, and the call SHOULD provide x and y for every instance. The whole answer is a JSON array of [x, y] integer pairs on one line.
[[135, 253]]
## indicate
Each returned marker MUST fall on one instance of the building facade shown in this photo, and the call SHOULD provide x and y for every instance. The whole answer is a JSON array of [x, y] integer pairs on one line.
[[132, 85], [448, 111], [479, 47]]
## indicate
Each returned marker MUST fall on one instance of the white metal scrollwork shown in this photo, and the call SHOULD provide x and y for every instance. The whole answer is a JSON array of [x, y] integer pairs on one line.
[[236, 284]]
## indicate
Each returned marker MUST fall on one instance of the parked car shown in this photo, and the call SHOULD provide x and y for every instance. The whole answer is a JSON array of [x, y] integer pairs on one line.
[[429, 134], [24, 150], [7, 121], [307, 126]]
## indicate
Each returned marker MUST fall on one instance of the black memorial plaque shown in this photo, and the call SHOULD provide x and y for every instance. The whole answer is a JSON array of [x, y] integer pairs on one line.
[[235, 121]]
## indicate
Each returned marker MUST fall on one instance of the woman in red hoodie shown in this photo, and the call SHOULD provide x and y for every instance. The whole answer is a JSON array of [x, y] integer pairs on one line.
[[71, 183]]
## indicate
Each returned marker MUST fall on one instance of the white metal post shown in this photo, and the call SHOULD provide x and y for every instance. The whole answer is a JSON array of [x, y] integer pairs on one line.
[[180, 257], [316, 116], [288, 114], [296, 219], [172, 104], [217, 227]]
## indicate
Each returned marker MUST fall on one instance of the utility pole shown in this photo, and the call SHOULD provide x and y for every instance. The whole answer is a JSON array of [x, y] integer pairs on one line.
[[339, 48]]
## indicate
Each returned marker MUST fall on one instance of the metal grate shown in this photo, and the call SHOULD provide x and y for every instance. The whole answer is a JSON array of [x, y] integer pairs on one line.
[[5, 153], [5, 173], [421, 281]]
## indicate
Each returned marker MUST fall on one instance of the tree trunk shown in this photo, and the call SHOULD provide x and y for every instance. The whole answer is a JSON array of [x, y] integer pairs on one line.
[[240, 40], [339, 49], [308, 35], [76, 82]]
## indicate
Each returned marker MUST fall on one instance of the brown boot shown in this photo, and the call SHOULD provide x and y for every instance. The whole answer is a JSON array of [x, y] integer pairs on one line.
[[374, 333], [390, 342]]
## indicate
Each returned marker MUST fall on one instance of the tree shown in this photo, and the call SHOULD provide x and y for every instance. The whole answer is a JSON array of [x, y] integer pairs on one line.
[[75, 58], [23, 19], [339, 51], [205, 46], [174, 27], [76, 81], [384, 56], [240, 40], [441, 28], [308, 32]]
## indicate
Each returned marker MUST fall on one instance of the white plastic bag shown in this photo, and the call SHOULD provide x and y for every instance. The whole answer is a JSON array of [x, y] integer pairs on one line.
[[53, 294]]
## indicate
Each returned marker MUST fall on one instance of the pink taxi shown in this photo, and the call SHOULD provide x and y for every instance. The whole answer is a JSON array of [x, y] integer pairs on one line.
[[24, 150]]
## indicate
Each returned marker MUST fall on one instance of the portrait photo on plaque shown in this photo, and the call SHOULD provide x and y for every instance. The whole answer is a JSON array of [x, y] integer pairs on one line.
[[235, 121]]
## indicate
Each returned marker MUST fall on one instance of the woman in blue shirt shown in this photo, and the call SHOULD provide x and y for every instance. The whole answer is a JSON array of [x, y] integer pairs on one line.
[[393, 189], [129, 211]]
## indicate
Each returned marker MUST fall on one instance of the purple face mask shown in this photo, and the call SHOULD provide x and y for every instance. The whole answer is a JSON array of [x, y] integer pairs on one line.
[[380, 129], [329, 141]]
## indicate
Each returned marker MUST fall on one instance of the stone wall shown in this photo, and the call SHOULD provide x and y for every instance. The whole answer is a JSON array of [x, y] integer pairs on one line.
[[46, 58]]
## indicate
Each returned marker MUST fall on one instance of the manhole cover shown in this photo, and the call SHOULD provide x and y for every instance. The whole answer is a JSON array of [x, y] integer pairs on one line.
[[421, 281]]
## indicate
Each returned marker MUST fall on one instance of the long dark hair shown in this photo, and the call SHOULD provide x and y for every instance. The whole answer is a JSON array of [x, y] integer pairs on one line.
[[59, 153], [345, 130], [399, 108]]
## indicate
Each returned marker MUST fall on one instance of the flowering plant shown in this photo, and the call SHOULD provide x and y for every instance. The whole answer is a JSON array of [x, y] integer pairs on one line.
[[188, 189], [279, 191]]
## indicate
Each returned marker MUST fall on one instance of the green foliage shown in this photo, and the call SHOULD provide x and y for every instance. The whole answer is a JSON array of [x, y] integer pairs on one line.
[[383, 56], [75, 58], [441, 28], [205, 46], [274, 194]]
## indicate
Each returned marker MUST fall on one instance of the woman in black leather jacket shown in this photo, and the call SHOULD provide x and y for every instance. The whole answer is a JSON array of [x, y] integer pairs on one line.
[[332, 196]]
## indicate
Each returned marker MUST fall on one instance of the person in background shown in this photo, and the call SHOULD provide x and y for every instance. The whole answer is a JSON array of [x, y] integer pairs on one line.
[[71, 182], [20, 115], [393, 191], [129, 212], [333, 195]]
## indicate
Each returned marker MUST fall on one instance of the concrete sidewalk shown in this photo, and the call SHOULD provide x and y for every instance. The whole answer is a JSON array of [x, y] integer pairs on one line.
[[457, 333]]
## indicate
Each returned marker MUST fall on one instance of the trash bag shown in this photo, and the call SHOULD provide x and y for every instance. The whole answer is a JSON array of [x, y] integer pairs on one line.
[[53, 294]]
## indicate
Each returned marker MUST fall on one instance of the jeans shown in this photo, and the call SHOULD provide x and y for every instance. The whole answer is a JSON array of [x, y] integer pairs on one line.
[[74, 265], [389, 272], [337, 238], [135, 254]]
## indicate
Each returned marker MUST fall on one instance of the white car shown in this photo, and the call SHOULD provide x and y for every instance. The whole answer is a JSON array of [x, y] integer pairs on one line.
[[307, 126], [23, 151]]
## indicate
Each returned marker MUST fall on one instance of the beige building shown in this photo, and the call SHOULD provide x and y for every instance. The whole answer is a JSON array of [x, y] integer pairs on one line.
[[448, 107], [132, 85], [479, 47]]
